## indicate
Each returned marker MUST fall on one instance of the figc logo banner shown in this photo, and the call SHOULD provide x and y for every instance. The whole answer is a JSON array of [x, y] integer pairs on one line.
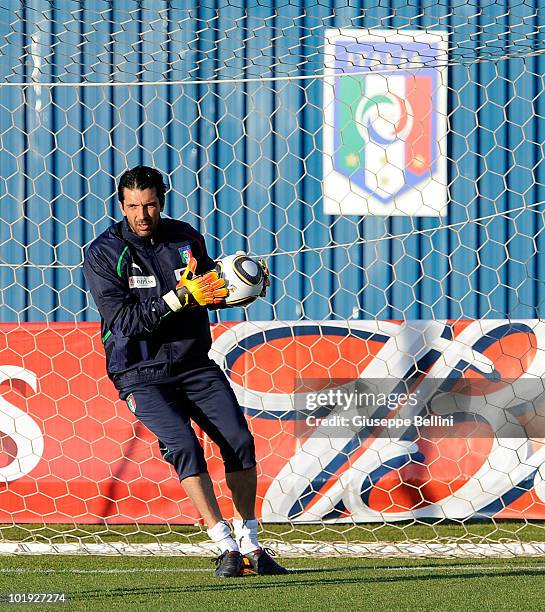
[[385, 126]]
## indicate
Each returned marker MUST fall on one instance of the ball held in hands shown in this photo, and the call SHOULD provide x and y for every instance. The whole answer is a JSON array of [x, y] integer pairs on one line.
[[246, 279]]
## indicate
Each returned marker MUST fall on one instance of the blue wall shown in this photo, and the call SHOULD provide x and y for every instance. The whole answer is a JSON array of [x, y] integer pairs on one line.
[[259, 144]]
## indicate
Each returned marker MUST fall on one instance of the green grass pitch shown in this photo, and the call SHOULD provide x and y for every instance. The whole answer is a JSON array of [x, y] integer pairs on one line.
[[183, 583], [315, 584]]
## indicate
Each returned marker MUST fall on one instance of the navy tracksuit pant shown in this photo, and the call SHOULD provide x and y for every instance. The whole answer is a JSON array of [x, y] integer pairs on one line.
[[203, 395]]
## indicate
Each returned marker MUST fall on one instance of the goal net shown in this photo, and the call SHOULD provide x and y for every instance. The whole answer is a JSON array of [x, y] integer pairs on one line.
[[387, 161]]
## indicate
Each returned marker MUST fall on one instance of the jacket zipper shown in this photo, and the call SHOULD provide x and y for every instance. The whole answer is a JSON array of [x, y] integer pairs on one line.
[[164, 287]]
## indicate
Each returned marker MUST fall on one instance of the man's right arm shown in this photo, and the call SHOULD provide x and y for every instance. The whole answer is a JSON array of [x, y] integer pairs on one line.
[[115, 303]]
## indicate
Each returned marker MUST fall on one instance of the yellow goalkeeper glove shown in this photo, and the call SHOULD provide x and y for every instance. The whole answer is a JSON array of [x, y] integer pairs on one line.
[[204, 290]]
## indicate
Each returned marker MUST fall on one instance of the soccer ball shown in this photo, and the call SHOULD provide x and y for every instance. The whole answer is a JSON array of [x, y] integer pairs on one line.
[[243, 276]]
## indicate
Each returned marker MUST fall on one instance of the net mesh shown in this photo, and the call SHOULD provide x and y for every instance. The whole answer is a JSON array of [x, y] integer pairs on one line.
[[387, 159]]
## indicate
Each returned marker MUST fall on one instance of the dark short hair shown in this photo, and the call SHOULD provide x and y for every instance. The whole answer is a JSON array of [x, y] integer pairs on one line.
[[142, 177]]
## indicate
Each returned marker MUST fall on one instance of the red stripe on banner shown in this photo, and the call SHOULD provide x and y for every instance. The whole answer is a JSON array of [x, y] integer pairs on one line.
[[418, 146]]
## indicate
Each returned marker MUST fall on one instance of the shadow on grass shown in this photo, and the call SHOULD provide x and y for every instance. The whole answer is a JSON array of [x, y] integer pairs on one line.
[[298, 579]]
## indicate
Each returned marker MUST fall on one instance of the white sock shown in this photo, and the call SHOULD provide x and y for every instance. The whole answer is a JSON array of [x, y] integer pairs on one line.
[[221, 535], [246, 535]]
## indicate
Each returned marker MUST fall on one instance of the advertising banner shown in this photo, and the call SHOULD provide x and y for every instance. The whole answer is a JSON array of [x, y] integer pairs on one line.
[[353, 421]]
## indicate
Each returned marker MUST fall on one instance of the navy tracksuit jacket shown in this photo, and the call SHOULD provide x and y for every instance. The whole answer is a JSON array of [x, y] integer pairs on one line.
[[158, 358]]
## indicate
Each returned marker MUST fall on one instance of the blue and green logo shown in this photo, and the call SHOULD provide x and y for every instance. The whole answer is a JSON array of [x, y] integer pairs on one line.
[[185, 253]]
